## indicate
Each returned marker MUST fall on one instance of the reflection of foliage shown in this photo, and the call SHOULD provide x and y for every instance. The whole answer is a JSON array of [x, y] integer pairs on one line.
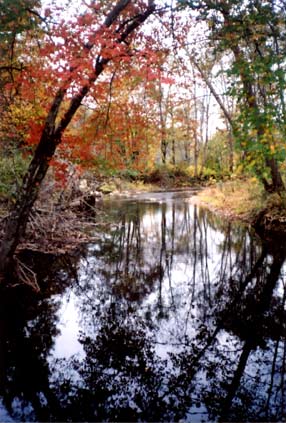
[[159, 343], [28, 327], [121, 379]]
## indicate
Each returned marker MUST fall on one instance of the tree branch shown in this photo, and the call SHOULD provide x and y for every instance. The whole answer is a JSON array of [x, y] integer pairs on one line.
[[102, 62]]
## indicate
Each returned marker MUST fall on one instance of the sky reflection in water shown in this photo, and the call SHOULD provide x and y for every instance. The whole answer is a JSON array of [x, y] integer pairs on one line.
[[173, 315]]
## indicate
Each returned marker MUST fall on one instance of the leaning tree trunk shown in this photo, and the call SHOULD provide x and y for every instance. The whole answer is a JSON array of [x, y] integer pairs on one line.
[[17, 220]]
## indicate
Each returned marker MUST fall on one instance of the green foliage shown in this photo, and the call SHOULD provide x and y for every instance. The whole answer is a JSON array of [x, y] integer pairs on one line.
[[216, 160], [168, 174], [16, 17], [103, 167], [129, 174], [211, 174], [98, 166], [253, 35], [12, 169]]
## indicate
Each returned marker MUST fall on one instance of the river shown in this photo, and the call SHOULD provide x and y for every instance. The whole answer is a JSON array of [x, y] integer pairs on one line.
[[175, 314]]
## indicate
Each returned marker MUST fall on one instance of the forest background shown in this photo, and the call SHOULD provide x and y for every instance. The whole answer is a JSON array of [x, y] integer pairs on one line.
[[151, 91]]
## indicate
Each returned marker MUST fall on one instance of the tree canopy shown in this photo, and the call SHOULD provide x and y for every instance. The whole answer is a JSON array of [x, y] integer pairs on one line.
[[129, 84]]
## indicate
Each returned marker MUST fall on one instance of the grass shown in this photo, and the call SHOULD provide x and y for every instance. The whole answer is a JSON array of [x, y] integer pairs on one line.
[[241, 198]]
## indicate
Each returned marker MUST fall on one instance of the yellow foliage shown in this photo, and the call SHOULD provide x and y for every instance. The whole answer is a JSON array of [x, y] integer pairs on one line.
[[237, 198]]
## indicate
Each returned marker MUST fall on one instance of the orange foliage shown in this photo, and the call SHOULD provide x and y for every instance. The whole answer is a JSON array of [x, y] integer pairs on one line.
[[123, 128]]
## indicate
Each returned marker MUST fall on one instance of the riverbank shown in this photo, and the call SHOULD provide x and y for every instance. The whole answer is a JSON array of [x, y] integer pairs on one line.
[[245, 200], [61, 228], [242, 199]]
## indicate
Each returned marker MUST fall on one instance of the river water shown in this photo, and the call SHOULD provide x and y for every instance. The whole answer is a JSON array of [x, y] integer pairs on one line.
[[173, 315]]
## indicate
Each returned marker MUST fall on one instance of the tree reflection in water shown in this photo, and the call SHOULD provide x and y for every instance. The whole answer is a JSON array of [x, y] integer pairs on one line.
[[181, 315]]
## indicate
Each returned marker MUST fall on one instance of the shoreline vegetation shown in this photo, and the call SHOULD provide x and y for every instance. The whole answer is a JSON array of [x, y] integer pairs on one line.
[[66, 224], [246, 201], [242, 199], [72, 215]]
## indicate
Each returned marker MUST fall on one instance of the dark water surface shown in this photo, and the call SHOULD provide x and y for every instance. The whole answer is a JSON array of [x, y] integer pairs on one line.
[[173, 315]]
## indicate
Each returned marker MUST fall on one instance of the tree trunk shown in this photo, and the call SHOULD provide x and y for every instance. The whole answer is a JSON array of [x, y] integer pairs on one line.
[[230, 148], [271, 163], [16, 223], [164, 146], [212, 89], [195, 131], [173, 152], [277, 184]]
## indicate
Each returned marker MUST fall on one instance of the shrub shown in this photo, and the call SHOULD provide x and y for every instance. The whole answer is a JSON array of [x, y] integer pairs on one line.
[[129, 174], [12, 169]]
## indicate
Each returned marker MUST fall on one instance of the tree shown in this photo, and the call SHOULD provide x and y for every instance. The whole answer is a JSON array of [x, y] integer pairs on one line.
[[17, 19], [80, 52], [120, 133], [253, 33]]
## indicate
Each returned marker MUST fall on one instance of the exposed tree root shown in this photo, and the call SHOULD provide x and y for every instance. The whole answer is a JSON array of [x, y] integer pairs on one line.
[[58, 231], [25, 275], [54, 230]]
